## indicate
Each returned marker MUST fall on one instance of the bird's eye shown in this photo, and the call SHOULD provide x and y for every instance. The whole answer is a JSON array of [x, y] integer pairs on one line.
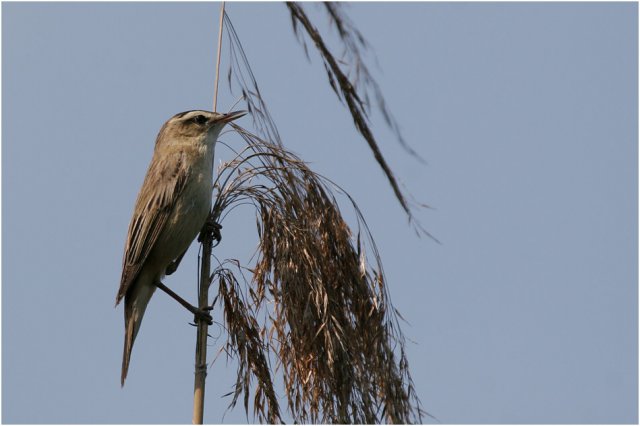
[[200, 119]]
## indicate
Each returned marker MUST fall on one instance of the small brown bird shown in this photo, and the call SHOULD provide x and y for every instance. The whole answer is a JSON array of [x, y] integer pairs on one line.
[[172, 207]]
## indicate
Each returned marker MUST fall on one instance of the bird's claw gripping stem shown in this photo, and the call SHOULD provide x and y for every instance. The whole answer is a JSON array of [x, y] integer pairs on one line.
[[203, 315], [211, 227]]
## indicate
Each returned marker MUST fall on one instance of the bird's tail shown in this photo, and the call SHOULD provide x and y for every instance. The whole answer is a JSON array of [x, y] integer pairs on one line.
[[135, 303]]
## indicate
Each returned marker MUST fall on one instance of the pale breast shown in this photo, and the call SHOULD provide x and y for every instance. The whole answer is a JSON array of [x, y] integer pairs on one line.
[[186, 220]]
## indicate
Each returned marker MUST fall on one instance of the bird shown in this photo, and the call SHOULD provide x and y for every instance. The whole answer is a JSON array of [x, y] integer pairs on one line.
[[172, 206]]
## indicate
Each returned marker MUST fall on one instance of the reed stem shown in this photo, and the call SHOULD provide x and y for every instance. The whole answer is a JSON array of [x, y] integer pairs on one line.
[[205, 281]]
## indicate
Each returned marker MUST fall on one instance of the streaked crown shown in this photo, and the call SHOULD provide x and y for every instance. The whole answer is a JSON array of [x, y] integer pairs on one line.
[[194, 126]]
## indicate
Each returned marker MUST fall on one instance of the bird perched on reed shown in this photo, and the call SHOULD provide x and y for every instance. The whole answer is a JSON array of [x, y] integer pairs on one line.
[[172, 207]]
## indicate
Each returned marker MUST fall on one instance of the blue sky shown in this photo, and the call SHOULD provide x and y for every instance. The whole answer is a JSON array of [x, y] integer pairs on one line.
[[526, 114]]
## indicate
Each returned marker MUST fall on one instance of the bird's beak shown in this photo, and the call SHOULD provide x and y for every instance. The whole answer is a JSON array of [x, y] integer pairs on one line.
[[232, 116]]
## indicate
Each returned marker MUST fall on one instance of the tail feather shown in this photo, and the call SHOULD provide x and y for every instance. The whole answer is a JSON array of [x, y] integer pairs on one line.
[[129, 337], [135, 304]]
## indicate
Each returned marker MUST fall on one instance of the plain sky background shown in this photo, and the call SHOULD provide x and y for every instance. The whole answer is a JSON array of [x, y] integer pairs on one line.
[[527, 115]]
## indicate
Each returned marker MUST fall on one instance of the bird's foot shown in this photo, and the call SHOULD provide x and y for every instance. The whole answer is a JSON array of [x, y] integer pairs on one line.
[[211, 227], [203, 315]]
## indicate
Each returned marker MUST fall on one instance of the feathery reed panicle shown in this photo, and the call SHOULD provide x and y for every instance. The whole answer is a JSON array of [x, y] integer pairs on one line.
[[329, 322], [348, 76], [315, 304], [352, 89], [354, 48]]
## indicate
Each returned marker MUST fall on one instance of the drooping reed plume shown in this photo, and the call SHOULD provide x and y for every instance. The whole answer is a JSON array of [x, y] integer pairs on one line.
[[313, 310]]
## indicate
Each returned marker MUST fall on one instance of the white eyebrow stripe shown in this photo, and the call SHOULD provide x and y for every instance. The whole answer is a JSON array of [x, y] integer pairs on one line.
[[190, 114]]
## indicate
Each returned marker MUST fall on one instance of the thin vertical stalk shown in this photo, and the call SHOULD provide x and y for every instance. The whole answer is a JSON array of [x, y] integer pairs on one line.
[[215, 92], [201, 342], [205, 281]]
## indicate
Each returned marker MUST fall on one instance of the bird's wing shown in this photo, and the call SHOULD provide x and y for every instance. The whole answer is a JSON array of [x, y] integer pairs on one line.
[[165, 181]]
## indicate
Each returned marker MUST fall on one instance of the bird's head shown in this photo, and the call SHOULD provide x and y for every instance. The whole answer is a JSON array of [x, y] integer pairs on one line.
[[195, 127]]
